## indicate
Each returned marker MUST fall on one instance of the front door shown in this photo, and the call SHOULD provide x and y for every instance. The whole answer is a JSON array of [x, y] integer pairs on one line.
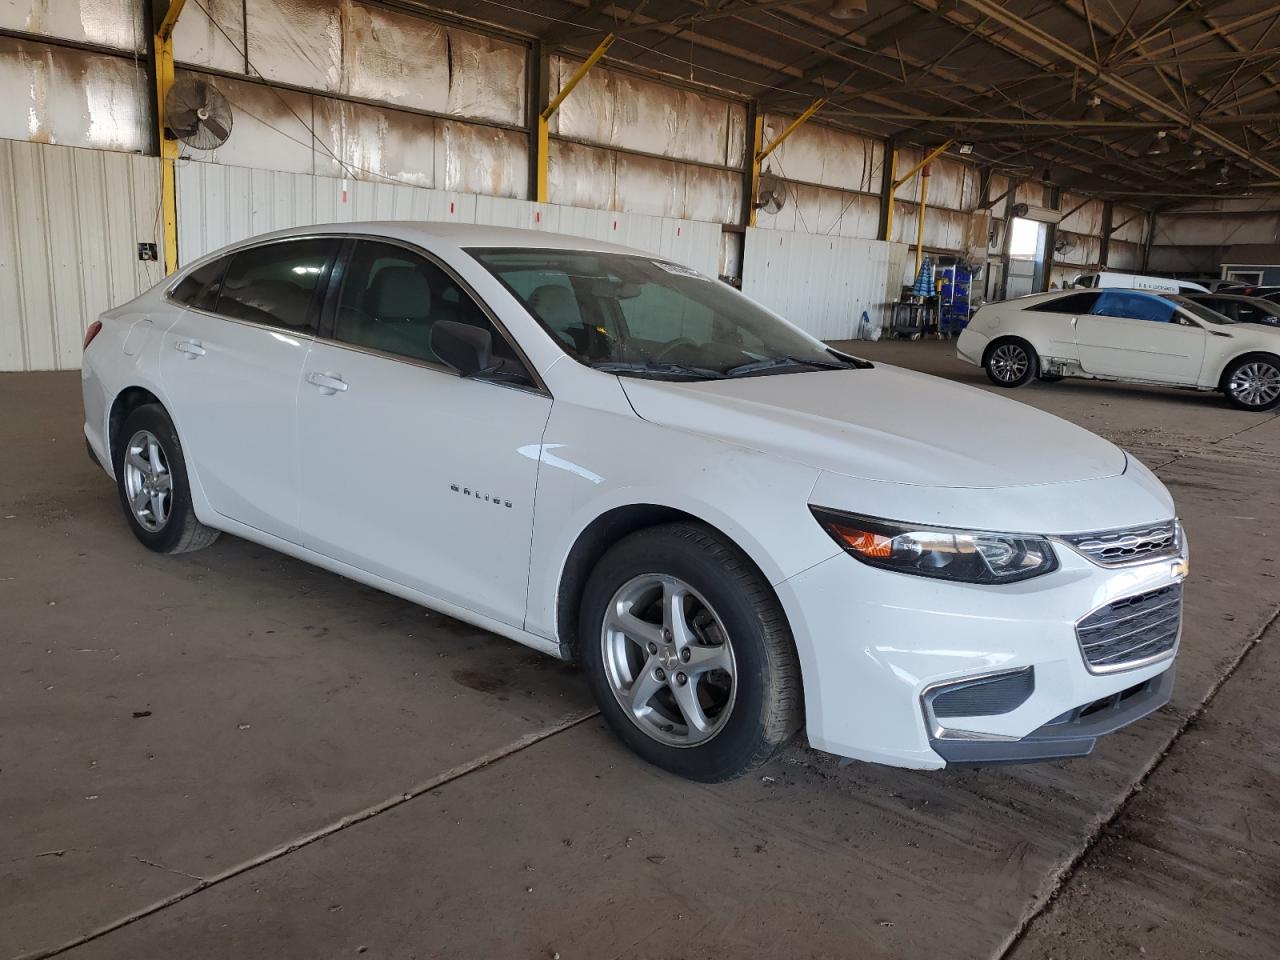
[[409, 471], [1139, 336], [231, 365]]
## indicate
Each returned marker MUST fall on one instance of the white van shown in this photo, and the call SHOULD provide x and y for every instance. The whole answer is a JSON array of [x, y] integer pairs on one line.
[[1133, 281]]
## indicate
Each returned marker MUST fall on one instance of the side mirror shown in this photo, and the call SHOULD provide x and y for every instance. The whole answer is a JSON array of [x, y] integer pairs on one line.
[[467, 349]]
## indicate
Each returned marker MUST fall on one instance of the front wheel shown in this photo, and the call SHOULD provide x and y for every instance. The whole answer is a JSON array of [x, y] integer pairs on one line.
[[688, 653], [1010, 363], [1253, 382]]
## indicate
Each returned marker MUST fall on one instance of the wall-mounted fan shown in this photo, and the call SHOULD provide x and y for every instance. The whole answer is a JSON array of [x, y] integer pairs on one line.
[[771, 194], [197, 113]]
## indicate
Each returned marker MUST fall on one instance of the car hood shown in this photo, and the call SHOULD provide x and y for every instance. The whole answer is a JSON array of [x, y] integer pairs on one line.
[[883, 423]]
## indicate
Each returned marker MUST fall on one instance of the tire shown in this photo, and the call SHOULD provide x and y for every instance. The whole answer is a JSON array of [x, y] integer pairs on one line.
[[739, 666], [1011, 362], [165, 521], [1252, 382]]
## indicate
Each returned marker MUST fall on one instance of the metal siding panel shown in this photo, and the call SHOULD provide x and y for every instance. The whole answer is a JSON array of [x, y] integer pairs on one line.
[[821, 284], [33, 241], [12, 332]]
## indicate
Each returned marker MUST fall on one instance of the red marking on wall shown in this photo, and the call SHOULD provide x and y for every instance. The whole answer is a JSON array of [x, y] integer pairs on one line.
[[451, 206], [537, 216], [615, 224]]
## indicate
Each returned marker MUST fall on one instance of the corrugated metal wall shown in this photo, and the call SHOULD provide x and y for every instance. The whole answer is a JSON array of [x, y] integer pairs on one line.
[[220, 204], [69, 248], [821, 284]]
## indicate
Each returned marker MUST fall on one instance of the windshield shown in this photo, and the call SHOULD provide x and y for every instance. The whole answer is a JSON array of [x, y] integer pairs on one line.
[[643, 316], [1200, 310]]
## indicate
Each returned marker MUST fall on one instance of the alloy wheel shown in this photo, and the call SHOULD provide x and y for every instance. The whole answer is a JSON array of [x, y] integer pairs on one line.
[[1009, 362], [1256, 384], [668, 660], [148, 484]]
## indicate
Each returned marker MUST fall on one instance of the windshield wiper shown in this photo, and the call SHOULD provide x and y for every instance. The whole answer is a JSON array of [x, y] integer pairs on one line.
[[657, 368], [776, 363]]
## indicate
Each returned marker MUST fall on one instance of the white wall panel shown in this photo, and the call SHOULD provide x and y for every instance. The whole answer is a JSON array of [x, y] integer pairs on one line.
[[821, 284], [220, 204], [73, 220]]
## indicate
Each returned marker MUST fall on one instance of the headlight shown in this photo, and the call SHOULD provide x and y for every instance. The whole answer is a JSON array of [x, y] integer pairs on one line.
[[975, 556]]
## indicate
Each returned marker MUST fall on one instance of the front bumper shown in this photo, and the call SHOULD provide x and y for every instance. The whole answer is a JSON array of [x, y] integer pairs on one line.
[[873, 643], [1072, 734]]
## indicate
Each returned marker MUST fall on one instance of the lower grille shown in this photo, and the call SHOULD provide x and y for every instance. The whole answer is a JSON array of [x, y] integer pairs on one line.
[[984, 697], [1132, 631]]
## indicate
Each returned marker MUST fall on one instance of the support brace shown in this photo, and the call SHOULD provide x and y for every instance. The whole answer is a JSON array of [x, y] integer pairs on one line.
[[923, 164], [544, 135]]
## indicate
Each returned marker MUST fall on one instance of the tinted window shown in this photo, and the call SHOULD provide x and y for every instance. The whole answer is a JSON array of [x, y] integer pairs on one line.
[[652, 317], [1253, 313], [1075, 304], [1132, 306], [391, 298], [550, 298], [200, 287], [276, 284]]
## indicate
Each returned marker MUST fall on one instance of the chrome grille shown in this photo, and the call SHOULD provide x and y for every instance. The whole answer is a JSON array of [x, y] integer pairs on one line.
[[1118, 548], [1131, 631]]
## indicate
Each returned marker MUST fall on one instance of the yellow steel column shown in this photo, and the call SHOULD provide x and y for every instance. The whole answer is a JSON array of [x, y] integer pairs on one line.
[[757, 138], [924, 202], [544, 137], [896, 182], [168, 146]]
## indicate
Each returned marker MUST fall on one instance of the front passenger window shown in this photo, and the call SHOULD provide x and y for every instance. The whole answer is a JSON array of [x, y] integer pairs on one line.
[[392, 297]]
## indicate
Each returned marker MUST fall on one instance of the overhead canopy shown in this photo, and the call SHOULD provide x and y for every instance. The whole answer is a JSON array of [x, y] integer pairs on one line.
[[1153, 98]]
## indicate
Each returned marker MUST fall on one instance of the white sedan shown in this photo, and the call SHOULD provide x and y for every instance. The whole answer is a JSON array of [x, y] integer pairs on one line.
[[613, 459], [1128, 335]]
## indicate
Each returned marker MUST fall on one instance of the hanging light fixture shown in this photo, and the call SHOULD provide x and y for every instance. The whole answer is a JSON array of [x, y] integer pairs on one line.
[[1159, 144], [1094, 112], [1197, 160]]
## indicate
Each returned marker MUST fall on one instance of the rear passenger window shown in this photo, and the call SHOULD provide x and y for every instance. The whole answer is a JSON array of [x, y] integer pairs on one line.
[[276, 284], [199, 288], [1133, 306], [1076, 304]]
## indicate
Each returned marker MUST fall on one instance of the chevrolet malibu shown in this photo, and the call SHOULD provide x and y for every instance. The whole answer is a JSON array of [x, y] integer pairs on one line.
[[604, 455]]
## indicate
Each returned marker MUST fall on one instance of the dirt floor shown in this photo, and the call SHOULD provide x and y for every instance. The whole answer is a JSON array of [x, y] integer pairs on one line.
[[232, 754]]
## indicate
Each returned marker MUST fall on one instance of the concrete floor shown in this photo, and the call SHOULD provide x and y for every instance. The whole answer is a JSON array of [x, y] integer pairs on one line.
[[230, 753]]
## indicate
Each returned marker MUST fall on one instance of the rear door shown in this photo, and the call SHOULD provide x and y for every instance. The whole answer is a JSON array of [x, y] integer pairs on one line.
[[230, 367], [1139, 336], [1053, 323]]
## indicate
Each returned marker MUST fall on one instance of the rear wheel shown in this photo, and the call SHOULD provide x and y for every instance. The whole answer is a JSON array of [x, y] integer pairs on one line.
[[1253, 382], [151, 478], [688, 653], [1010, 363]]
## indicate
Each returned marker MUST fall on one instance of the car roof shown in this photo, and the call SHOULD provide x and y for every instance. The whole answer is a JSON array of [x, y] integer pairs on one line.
[[460, 235]]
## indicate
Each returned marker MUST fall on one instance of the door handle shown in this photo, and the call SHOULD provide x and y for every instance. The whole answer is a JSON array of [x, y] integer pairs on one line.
[[192, 348], [328, 383]]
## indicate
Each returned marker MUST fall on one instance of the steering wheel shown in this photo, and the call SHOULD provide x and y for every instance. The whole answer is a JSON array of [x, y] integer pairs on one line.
[[678, 342]]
